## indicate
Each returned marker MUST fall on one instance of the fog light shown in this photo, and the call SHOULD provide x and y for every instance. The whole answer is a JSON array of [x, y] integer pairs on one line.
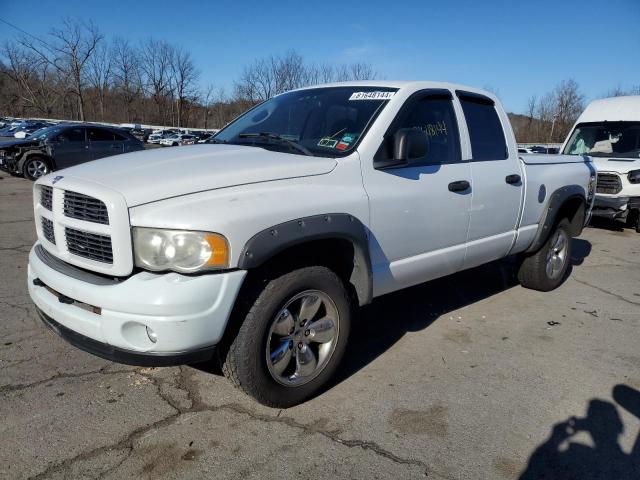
[[152, 335]]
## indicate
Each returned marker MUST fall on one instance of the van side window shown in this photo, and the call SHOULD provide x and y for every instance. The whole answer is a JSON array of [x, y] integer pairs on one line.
[[485, 130], [434, 115]]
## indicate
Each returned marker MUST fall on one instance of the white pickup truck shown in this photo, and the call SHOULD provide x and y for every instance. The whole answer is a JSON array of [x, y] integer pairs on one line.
[[609, 132], [257, 248]]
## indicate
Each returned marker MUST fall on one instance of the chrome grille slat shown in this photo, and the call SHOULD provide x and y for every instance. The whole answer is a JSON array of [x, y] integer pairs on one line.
[[608, 183], [89, 245], [84, 207], [47, 230], [46, 197]]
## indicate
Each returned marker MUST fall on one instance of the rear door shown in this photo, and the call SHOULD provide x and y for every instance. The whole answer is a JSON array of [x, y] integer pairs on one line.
[[103, 143], [497, 182], [71, 147]]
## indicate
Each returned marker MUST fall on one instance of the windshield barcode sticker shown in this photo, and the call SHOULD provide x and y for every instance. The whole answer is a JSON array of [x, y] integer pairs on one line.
[[371, 95]]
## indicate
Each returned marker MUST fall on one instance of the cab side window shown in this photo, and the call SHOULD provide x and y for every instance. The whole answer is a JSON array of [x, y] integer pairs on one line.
[[99, 135], [435, 116], [485, 130], [72, 135]]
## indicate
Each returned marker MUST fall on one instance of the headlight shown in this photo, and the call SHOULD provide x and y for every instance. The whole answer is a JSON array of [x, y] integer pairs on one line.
[[179, 250], [634, 176]]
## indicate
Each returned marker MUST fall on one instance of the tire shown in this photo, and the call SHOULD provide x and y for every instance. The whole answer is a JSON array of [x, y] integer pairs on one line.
[[633, 220], [35, 167], [271, 357], [546, 269]]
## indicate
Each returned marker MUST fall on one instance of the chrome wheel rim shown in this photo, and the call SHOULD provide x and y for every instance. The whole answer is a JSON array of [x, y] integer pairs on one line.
[[37, 168], [557, 255], [302, 338]]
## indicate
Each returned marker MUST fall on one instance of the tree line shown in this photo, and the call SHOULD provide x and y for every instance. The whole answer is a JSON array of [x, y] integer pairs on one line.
[[76, 73]]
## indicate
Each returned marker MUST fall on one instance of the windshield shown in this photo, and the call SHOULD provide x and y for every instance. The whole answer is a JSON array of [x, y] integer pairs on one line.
[[43, 132], [605, 139], [325, 121]]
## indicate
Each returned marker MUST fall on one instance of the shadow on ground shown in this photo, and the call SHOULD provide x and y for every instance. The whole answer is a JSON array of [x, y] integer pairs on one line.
[[562, 457], [391, 316]]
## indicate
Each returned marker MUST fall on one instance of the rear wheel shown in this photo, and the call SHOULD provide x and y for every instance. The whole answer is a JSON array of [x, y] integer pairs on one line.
[[35, 167], [292, 339], [546, 269]]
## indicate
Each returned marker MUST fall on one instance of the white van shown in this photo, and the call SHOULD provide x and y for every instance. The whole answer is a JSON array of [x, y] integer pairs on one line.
[[609, 131]]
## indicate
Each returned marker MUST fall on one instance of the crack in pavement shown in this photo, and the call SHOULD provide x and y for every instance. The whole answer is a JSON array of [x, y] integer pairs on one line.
[[23, 386], [619, 297], [184, 382]]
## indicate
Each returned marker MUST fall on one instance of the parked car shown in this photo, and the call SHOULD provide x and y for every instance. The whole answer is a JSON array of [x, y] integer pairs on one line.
[[27, 128], [63, 146], [158, 135], [257, 247], [7, 131], [178, 139], [609, 131], [524, 150], [204, 137]]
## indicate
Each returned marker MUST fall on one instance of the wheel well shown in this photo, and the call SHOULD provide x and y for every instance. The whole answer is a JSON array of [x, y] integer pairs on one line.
[[27, 156], [574, 210], [338, 254]]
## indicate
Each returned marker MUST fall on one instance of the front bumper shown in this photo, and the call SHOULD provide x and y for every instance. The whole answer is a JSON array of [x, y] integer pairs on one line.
[[614, 207], [111, 318]]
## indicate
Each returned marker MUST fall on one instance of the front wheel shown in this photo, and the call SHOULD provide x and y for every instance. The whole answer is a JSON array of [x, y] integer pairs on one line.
[[292, 339], [35, 167], [546, 269]]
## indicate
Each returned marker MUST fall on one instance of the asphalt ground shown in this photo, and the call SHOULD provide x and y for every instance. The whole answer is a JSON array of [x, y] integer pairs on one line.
[[466, 377]]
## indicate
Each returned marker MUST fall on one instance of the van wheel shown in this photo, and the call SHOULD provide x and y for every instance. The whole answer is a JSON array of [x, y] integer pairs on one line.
[[633, 220], [546, 269], [292, 339], [35, 167]]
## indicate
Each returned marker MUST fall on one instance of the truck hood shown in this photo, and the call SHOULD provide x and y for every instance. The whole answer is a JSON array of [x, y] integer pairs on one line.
[[157, 174], [617, 165]]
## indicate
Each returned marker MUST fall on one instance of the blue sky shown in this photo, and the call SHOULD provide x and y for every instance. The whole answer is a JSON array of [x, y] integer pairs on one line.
[[518, 48]]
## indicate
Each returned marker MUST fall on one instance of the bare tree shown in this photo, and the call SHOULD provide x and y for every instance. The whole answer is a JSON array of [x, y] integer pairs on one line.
[[126, 74], [185, 77], [36, 81], [273, 75], [100, 76], [156, 57], [69, 51]]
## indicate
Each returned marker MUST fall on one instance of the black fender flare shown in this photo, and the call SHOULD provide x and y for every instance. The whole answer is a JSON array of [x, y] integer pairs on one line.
[[271, 241], [550, 214]]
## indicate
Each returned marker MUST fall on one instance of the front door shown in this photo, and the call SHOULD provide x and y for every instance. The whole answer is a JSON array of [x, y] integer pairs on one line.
[[419, 215]]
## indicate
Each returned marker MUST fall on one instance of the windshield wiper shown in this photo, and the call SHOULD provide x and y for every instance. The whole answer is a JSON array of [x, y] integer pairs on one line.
[[277, 138]]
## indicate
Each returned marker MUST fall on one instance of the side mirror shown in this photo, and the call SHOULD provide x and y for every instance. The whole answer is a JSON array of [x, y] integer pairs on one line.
[[410, 144]]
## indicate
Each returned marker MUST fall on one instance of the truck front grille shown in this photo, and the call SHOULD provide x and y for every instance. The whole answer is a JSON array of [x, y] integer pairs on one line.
[[47, 230], [609, 183], [89, 245], [46, 197], [84, 207]]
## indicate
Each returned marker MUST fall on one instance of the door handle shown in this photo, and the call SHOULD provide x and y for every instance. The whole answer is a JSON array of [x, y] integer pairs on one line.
[[513, 179], [459, 186]]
